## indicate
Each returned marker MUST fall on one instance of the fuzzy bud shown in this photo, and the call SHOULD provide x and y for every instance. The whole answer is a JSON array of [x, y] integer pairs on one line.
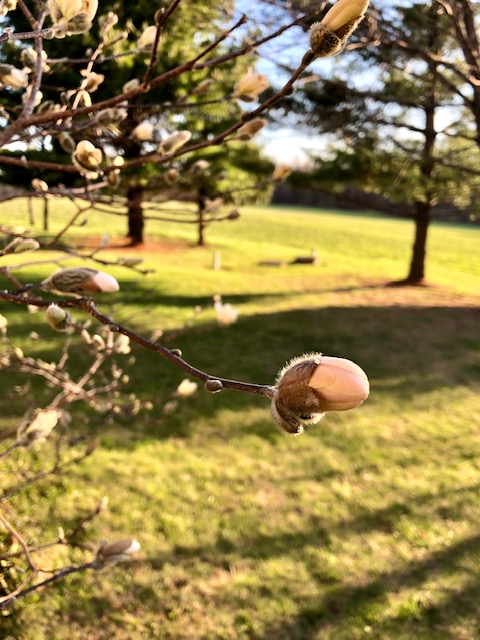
[[131, 85], [143, 131], [309, 386], [174, 142], [80, 280], [250, 86], [250, 128], [39, 428], [186, 388], [21, 245], [13, 77], [147, 38], [330, 35], [58, 318], [72, 16], [39, 185]]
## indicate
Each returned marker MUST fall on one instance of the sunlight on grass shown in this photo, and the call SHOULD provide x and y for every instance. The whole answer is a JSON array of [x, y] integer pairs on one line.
[[366, 526]]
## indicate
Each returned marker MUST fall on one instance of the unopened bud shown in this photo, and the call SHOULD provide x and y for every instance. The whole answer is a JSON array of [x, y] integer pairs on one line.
[[39, 428], [58, 318], [131, 85], [250, 86], [80, 280], [114, 552], [143, 131], [310, 385], [174, 141], [87, 156], [250, 128]]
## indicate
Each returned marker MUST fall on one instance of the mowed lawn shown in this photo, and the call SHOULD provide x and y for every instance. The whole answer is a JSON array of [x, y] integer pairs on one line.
[[366, 526]]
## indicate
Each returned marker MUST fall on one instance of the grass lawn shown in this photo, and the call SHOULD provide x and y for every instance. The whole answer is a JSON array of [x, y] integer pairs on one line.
[[366, 526]]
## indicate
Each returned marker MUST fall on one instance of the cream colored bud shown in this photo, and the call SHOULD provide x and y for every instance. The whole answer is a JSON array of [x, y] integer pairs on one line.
[[86, 156], [38, 430], [186, 388], [343, 12], [3, 323], [72, 16], [13, 77], [174, 142], [39, 185], [131, 85], [6, 6], [330, 35], [143, 131], [80, 280], [58, 318], [309, 386], [92, 80], [200, 166], [250, 128], [146, 40], [122, 345], [37, 99], [21, 245], [250, 86]]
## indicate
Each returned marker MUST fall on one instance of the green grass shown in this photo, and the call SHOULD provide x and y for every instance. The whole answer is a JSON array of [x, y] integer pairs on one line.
[[366, 526]]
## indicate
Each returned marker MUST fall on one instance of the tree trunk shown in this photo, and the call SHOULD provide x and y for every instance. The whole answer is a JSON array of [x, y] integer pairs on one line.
[[136, 222], [201, 223], [46, 214], [416, 274]]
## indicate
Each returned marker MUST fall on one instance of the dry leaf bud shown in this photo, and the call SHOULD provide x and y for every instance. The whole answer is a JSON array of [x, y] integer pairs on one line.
[[309, 386], [58, 318], [80, 280]]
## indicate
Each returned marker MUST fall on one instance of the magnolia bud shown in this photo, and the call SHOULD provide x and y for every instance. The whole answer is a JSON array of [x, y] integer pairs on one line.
[[21, 245], [58, 318], [186, 388], [250, 128], [87, 156], [131, 85], [39, 428], [174, 141], [80, 280], [330, 35], [143, 131], [147, 38], [110, 554], [250, 86], [12, 77], [313, 384]]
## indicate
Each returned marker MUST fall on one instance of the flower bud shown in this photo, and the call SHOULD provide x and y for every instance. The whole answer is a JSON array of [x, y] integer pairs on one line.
[[174, 141], [39, 185], [72, 16], [250, 128], [39, 428], [250, 86], [86, 156], [114, 552], [309, 386], [281, 173], [80, 280], [21, 245], [143, 131], [171, 176], [330, 35], [186, 388], [146, 40], [6, 6], [92, 80], [13, 77], [131, 85], [66, 142], [58, 318]]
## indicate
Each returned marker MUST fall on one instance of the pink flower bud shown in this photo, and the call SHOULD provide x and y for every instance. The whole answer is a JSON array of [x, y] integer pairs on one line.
[[339, 383]]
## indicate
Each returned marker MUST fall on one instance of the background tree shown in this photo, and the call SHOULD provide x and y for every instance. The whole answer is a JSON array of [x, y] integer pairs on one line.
[[404, 131]]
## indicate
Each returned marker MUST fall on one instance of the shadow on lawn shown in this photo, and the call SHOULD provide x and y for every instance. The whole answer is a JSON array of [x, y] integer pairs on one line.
[[357, 603]]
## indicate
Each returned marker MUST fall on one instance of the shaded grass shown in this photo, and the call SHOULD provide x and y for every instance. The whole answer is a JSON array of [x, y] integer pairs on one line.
[[366, 526]]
